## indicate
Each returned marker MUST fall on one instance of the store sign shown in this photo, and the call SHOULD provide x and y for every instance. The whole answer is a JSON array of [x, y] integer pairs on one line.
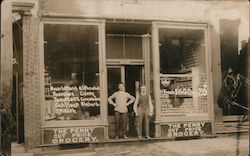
[[74, 100], [73, 135], [67, 99], [183, 96], [189, 129], [184, 91]]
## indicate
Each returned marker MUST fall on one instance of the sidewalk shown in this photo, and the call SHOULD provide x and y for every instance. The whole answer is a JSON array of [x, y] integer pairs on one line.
[[221, 146]]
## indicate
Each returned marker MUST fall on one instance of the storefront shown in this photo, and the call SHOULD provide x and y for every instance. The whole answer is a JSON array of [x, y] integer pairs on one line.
[[73, 60], [79, 74], [76, 65]]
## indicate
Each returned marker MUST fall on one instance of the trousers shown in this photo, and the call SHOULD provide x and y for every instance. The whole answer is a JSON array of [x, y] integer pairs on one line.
[[121, 123], [142, 114]]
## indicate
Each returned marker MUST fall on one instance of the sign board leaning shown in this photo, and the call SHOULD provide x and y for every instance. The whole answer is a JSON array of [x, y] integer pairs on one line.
[[187, 129], [73, 135]]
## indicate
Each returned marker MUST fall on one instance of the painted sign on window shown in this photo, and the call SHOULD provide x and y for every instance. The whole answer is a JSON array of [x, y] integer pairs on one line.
[[73, 103]]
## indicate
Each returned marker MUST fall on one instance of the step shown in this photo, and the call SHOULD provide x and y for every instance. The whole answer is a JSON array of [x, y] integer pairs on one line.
[[17, 148], [15, 144], [230, 129], [22, 154], [85, 151]]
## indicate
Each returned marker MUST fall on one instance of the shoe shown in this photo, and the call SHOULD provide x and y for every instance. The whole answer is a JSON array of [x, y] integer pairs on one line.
[[139, 137], [117, 137], [125, 137], [148, 137]]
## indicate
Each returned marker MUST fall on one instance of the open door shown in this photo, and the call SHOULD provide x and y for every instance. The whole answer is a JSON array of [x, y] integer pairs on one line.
[[130, 75]]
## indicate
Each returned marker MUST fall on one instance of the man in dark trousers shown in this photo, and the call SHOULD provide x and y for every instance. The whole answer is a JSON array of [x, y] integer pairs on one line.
[[120, 100], [143, 108]]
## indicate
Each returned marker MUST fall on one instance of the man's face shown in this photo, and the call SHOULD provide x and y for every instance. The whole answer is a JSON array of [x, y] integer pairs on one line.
[[143, 89], [121, 87]]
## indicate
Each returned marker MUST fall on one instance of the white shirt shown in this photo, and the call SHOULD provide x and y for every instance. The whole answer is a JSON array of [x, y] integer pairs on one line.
[[121, 101]]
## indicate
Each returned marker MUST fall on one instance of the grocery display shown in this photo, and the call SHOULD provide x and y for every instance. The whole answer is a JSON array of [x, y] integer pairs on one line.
[[186, 92]]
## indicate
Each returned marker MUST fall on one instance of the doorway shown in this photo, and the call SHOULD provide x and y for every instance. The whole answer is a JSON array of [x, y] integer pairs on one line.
[[127, 60], [131, 76], [17, 108]]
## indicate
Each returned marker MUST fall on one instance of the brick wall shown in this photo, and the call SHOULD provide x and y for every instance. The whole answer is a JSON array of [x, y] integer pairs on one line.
[[32, 87]]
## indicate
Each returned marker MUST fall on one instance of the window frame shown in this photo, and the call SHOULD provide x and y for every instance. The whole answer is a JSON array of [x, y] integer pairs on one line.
[[156, 26], [127, 61], [101, 51]]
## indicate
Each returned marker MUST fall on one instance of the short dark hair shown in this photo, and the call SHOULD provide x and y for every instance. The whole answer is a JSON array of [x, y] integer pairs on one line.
[[121, 83]]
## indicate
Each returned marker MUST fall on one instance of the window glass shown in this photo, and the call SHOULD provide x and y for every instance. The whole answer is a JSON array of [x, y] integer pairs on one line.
[[183, 72], [133, 47], [114, 47], [71, 60], [123, 47]]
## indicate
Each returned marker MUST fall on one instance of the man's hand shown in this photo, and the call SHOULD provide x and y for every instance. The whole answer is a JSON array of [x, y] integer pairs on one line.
[[150, 114], [115, 105], [136, 114]]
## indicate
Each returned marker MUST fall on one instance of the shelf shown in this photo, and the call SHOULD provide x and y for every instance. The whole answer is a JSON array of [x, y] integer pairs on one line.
[[176, 75], [180, 96], [184, 80]]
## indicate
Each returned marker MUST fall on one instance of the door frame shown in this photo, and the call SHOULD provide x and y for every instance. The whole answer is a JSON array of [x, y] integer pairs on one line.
[[122, 69], [121, 63], [145, 62]]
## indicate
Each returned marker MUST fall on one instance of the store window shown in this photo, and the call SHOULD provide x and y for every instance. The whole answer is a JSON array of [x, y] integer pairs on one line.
[[183, 80], [71, 58]]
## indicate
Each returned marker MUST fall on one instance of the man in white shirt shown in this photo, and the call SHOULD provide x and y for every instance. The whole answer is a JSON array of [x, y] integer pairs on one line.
[[120, 100]]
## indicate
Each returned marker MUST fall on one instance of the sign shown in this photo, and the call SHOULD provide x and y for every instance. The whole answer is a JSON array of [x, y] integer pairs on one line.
[[182, 96], [189, 129], [73, 135], [67, 99], [75, 100]]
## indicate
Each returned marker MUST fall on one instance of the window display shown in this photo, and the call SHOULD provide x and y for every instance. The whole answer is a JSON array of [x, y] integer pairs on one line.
[[71, 56], [182, 72]]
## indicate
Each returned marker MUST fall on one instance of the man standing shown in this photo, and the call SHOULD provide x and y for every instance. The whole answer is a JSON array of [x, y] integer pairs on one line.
[[121, 100], [143, 108]]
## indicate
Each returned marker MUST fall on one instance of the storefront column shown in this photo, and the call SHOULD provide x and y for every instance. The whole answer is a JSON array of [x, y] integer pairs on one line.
[[6, 69], [210, 60], [216, 71], [32, 82], [156, 77], [103, 75], [6, 52], [146, 52]]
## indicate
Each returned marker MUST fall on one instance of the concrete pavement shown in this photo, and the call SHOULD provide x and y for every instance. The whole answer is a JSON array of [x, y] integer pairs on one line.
[[221, 146]]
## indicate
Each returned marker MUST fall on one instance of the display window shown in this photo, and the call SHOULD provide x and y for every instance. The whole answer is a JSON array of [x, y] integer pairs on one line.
[[183, 75], [71, 74]]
